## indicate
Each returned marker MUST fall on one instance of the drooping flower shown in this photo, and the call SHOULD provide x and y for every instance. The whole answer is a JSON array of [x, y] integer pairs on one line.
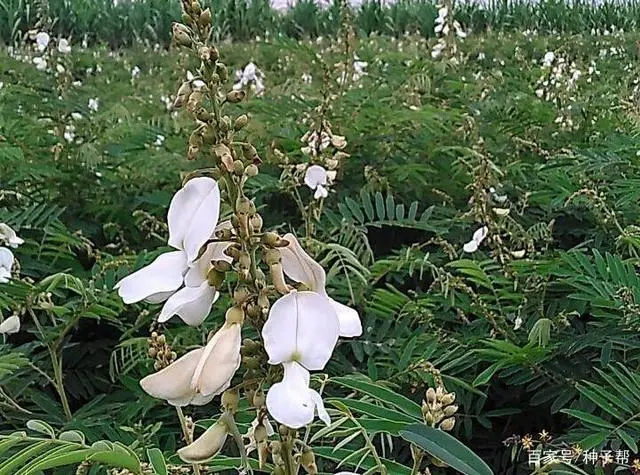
[[9, 237], [205, 447], [476, 239], [192, 218], [10, 325], [42, 40], [300, 266], [63, 46], [292, 402], [316, 179], [6, 264], [201, 374]]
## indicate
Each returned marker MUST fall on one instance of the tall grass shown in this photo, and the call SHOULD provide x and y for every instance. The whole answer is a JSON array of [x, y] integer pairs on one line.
[[128, 21]]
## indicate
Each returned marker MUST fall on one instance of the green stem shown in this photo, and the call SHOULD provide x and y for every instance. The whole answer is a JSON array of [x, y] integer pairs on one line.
[[187, 435]]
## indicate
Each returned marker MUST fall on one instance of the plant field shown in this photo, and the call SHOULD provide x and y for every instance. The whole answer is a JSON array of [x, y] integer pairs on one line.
[[473, 195]]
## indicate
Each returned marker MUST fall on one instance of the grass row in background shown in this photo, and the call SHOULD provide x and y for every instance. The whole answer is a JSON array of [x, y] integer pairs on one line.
[[124, 22]]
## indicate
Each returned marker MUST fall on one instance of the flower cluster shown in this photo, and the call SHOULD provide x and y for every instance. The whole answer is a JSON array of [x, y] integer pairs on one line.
[[445, 25], [42, 40], [299, 330], [9, 238]]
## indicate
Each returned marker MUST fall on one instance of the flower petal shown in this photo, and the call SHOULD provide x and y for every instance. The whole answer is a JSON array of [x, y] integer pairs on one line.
[[300, 266], [193, 215], [321, 192], [314, 176], [164, 274], [471, 246], [303, 327], [173, 383], [322, 412], [206, 446], [289, 402], [191, 304], [480, 234], [6, 262], [199, 269], [10, 325], [9, 236], [219, 362], [279, 330], [348, 319]]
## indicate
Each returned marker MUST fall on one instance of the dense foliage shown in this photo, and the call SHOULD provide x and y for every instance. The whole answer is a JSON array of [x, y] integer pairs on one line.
[[536, 332], [127, 22]]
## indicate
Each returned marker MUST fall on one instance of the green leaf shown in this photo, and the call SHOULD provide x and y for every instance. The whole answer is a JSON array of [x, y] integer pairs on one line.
[[382, 394], [41, 427], [156, 459], [487, 374], [72, 436], [446, 448], [380, 205]]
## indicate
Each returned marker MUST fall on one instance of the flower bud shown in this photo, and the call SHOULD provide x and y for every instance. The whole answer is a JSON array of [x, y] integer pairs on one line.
[[240, 295], [221, 266], [259, 399], [195, 7], [230, 399], [249, 152], [450, 411], [205, 20], [260, 433], [448, 398], [234, 315], [271, 256], [182, 35], [183, 95], [215, 278], [236, 96], [431, 396], [251, 170], [439, 393], [448, 424], [152, 352], [221, 70], [238, 167], [251, 362], [272, 239], [256, 223], [308, 461], [243, 205], [240, 122], [206, 446]]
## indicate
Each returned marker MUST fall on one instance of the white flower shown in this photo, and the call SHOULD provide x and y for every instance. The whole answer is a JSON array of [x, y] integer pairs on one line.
[[159, 140], [359, 69], [548, 59], [519, 254], [6, 264], [201, 374], [316, 179], [192, 218], [307, 78], [10, 325], [60, 68], [63, 46], [135, 72], [93, 105], [302, 327], [41, 63], [476, 240], [501, 211], [299, 266], [250, 75], [42, 40], [518, 323], [292, 402], [9, 237]]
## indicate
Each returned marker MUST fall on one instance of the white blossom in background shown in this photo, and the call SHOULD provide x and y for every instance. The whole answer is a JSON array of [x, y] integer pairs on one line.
[[94, 104], [316, 179], [6, 264], [180, 277], [41, 63], [9, 237], [159, 140], [69, 133], [250, 76], [476, 239], [135, 73], [63, 46], [10, 325], [201, 374], [548, 59], [42, 40], [441, 26], [307, 78]]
